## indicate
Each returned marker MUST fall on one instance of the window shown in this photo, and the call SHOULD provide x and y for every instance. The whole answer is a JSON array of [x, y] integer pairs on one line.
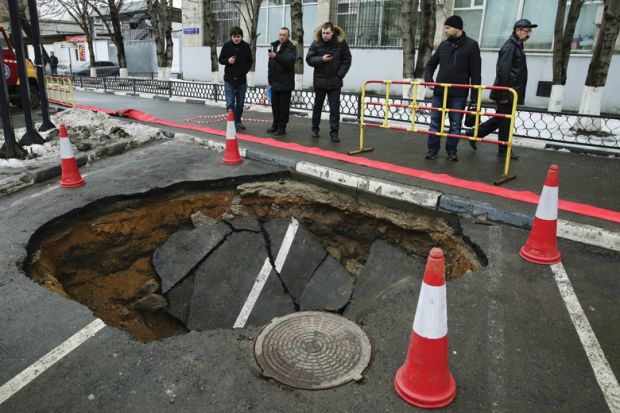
[[275, 14], [370, 23], [226, 17], [471, 13], [499, 18], [585, 31], [543, 12]]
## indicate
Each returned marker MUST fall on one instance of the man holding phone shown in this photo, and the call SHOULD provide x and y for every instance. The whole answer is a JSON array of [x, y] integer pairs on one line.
[[281, 78], [236, 55], [330, 57]]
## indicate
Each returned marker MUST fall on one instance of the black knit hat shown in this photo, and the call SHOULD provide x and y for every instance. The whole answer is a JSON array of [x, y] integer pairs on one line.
[[454, 21]]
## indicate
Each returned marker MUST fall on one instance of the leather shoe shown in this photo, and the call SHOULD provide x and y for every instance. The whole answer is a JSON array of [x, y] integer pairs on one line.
[[513, 155], [241, 126], [279, 132], [334, 138], [453, 157], [271, 130], [431, 155], [315, 133]]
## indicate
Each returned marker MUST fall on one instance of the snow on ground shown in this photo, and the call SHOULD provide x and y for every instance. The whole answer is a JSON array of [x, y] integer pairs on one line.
[[90, 133]]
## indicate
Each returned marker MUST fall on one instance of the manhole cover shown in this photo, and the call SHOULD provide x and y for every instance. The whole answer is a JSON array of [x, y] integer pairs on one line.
[[312, 350]]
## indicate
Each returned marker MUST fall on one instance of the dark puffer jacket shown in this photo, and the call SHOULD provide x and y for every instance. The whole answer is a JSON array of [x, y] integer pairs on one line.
[[511, 71], [281, 73], [459, 63], [329, 75]]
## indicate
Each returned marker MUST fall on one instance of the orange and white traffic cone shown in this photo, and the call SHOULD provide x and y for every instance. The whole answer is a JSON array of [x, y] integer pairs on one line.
[[425, 379], [70, 173], [231, 155], [542, 245]]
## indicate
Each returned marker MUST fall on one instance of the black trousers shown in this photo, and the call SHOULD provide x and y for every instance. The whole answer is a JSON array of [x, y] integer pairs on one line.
[[333, 98], [501, 124], [280, 107]]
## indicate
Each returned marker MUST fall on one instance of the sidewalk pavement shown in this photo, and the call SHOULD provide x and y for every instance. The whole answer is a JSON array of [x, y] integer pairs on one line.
[[586, 179]]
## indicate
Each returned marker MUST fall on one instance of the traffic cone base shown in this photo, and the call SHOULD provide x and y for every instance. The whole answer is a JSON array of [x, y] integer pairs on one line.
[[541, 248], [422, 384], [71, 177]]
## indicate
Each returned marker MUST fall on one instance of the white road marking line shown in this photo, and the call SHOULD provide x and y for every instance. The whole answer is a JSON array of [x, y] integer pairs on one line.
[[604, 375], [29, 374], [261, 279]]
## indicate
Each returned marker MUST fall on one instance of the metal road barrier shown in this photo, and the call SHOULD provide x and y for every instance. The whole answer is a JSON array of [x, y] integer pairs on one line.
[[60, 90], [557, 128], [414, 107]]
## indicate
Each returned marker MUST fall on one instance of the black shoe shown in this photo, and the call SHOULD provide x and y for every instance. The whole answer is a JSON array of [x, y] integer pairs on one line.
[[334, 138], [315, 133], [279, 132], [452, 157], [513, 155], [472, 144], [240, 126], [431, 155], [271, 130]]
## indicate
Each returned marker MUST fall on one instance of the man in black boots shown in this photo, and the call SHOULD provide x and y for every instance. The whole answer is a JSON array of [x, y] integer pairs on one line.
[[330, 57], [511, 71], [281, 78], [458, 58], [237, 56]]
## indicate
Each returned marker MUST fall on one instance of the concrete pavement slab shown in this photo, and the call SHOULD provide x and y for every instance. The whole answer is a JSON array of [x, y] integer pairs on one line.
[[184, 250]]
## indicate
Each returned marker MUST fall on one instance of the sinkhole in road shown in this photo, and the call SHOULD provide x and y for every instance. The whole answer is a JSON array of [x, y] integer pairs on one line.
[[187, 258]]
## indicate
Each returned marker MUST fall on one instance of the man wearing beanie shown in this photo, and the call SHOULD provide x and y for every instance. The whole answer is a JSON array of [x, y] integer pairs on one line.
[[458, 58]]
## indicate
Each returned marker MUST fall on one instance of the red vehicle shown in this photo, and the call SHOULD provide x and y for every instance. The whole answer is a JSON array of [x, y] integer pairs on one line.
[[9, 65]]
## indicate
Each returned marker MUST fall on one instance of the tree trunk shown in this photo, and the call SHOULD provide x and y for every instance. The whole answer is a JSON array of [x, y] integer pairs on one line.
[[562, 40], [427, 38], [117, 37], [408, 26], [601, 59], [297, 35], [253, 36], [210, 36]]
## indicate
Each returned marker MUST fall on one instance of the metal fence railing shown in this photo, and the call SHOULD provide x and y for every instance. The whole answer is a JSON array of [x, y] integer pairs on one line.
[[596, 131]]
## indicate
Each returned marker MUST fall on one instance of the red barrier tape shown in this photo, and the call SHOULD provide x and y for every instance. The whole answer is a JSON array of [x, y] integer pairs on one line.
[[522, 196]]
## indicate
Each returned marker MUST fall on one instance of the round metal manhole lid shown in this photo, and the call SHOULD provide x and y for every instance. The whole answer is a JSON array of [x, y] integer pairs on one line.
[[312, 350]]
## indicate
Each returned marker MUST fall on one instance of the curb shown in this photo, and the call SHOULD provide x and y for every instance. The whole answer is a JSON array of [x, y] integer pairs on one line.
[[439, 201]]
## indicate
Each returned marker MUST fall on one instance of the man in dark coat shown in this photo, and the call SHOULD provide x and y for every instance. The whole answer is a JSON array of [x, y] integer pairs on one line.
[[236, 55], [53, 64], [330, 57], [281, 78], [458, 58], [511, 71]]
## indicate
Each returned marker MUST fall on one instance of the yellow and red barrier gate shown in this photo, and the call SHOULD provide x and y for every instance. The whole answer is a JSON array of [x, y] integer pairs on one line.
[[414, 107], [60, 90]]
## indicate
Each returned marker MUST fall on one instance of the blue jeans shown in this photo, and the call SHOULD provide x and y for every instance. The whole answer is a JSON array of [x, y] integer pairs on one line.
[[235, 99], [456, 119]]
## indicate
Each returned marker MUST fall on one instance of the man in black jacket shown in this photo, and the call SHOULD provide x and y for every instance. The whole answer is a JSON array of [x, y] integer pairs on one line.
[[330, 57], [53, 64], [458, 58], [281, 78], [237, 56], [511, 71]]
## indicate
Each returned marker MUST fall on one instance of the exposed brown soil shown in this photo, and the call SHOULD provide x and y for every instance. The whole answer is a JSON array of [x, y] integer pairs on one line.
[[104, 262]]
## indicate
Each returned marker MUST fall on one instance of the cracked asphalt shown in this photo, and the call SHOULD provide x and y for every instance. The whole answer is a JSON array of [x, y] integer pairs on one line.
[[512, 344]]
